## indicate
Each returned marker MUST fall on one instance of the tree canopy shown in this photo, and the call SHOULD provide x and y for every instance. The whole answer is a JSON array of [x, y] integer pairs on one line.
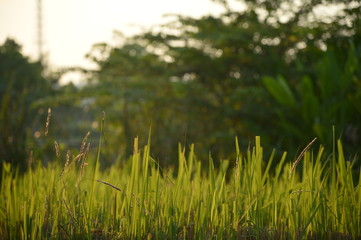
[[21, 85], [276, 69]]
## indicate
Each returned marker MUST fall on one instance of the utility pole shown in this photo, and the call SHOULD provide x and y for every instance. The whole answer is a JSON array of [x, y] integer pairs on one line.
[[40, 30]]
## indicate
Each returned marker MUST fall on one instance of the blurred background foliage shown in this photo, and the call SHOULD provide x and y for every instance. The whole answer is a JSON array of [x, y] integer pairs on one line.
[[21, 84], [276, 69]]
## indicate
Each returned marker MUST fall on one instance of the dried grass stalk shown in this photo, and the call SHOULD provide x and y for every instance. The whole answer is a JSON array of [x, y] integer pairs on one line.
[[47, 122], [83, 143], [109, 185], [57, 151], [295, 163]]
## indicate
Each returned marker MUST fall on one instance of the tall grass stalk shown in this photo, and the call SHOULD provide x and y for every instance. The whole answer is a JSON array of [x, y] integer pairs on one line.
[[243, 198]]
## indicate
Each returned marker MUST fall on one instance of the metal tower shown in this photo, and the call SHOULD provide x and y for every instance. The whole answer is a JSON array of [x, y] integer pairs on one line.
[[40, 30]]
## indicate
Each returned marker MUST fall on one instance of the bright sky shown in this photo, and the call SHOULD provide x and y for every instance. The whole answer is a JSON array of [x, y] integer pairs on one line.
[[71, 27]]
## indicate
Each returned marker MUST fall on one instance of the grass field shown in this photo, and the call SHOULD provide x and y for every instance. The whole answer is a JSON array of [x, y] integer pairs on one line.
[[317, 196]]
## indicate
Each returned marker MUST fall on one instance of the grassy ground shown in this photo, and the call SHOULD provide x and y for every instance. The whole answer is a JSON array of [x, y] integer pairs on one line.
[[315, 197]]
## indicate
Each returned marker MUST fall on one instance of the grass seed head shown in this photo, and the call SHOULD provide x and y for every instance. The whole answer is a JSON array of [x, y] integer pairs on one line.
[[67, 158], [57, 151], [83, 143], [47, 122]]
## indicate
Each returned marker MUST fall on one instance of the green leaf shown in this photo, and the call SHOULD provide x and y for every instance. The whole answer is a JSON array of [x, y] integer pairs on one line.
[[310, 103], [280, 90]]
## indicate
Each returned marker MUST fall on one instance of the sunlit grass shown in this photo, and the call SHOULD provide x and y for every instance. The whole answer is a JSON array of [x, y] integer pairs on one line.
[[244, 198]]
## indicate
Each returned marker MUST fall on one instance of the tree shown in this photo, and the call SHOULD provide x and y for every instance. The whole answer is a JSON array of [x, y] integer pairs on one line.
[[21, 84], [203, 77]]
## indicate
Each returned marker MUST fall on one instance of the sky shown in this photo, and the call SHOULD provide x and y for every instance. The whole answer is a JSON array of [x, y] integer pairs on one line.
[[71, 27]]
